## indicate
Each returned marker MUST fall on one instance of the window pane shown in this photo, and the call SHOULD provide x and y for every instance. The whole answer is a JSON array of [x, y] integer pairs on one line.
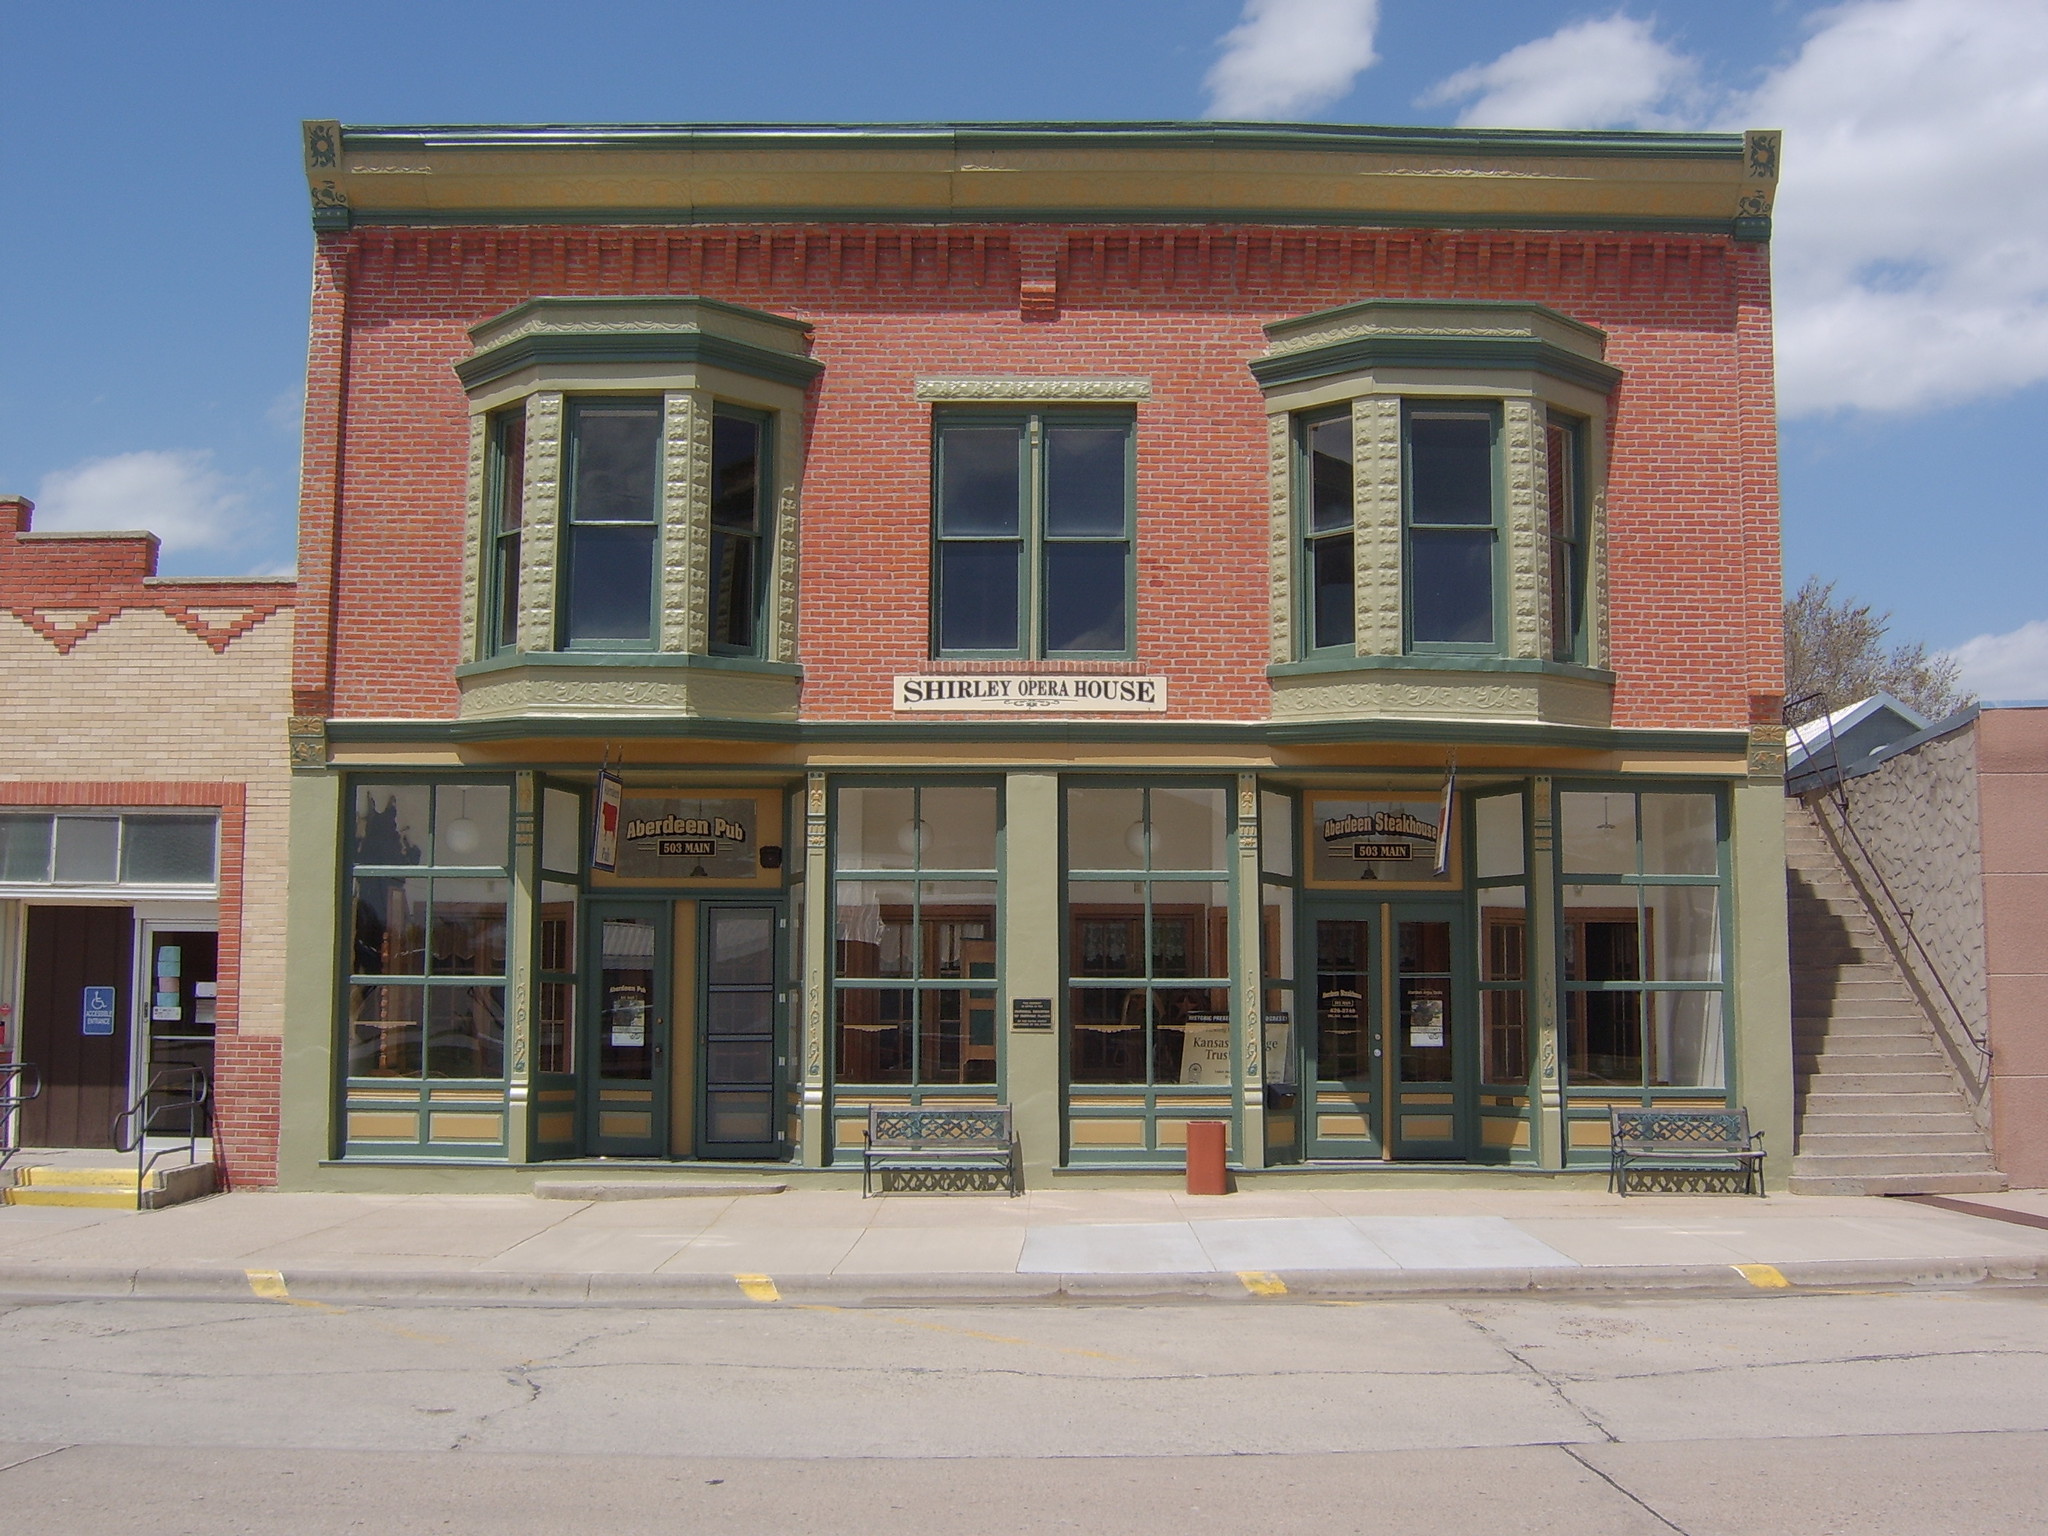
[[1561, 449], [1086, 478], [1331, 484], [741, 942], [508, 467], [734, 589], [1602, 941], [1106, 829], [959, 827], [611, 584], [391, 824], [616, 453], [1343, 988], [505, 592], [1497, 824], [472, 824], [1686, 1040], [87, 849], [1276, 833], [467, 937], [876, 933], [872, 1030], [1679, 835], [1106, 928], [980, 476], [390, 927], [1503, 934], [465, 1031], [24, 847], [1331, 574], [957, 922], [1190, 928], [1682, 927], [1427, 1034], [1107, 1034], [1597, 833], [1191, 1035], [1084, 598], [384, 1031], [1188, 829], [877, 828], [1504, 1024], [1450, 584], [1603, 1039], [735, 473], [956, 1036], [978, 597], [1450, 469], [561, 831], [557, 926], [167, 850], [557, 1027]]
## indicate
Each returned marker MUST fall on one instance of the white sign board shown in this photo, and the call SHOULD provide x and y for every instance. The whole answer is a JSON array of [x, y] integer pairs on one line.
[[1012, 693]]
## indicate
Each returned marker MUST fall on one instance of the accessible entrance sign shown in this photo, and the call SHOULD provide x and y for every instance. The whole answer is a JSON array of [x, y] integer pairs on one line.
[[97, 1014]]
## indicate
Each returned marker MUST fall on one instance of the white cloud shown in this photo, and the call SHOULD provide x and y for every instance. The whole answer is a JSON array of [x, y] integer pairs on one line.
[[1911, 233], [1591, 74], [1286, 57], [2010, 666], [176, 494]]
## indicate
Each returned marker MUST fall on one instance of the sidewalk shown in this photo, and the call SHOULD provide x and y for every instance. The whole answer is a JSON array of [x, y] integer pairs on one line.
[[832, 1246]]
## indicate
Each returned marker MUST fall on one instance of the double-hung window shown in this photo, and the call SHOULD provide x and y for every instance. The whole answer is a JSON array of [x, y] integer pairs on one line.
[[1325, 492], [1033, 531], [1564, 441], [739, 529], [613, 525], [1451, 526], [505, 512]]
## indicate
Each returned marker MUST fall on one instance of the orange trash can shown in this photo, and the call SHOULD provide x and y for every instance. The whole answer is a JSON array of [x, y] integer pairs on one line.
[[1207, 1173]]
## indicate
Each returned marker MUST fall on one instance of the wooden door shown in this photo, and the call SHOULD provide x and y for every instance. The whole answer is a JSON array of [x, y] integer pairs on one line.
[[85, 1075]]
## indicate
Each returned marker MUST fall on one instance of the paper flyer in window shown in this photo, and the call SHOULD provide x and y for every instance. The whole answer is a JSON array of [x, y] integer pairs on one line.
[[604, 839]]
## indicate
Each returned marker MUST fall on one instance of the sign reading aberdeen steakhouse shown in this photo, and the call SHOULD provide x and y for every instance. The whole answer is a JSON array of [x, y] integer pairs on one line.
[[1032, 693]]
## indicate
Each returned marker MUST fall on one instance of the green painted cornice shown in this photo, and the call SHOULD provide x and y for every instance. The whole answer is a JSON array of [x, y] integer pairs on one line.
[[1362, 353], [554, 349]]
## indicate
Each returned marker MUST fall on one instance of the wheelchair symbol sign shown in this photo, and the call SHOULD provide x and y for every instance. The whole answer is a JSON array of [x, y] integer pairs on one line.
[[98, 1013]]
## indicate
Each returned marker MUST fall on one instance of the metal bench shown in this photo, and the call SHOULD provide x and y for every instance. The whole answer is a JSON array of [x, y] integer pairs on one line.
[[937, 1149], [1698, 1141]]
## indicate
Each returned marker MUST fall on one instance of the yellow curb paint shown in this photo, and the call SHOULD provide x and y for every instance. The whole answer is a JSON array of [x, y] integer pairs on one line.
[[1261, 1282], [268, 1283], [758, 1287], [1764, 1277]]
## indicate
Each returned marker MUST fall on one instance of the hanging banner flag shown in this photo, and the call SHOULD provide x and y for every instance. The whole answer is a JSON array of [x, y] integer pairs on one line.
[[604, 838], [1443, 820]]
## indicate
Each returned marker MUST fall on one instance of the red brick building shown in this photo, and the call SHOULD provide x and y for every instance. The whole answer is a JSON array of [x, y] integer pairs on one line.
[[1031, 586]]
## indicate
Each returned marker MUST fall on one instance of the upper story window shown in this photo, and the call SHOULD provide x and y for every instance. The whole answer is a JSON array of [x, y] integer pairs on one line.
[[505, 511], [1325, 492], [611, 512], [1451, 533], [1033, 522], [740, 526], [1564, 457]]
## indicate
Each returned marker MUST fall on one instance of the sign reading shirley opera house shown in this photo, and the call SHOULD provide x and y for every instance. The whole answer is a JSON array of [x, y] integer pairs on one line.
[[1031, 692]]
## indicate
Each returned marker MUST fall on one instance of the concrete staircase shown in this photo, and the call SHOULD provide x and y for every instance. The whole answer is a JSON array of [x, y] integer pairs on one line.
[[1879, 1109], [104, 1188]]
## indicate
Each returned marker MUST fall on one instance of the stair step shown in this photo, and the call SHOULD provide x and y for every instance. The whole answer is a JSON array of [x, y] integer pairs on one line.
[[1897, 1184], [1955, 1122], [1856, 1008], [1875, 1143], [1882, 1082], [1858, 1165], [98, 1197], [41, 1173], [111, 1189], [1826, 1099], [1849, 1056]]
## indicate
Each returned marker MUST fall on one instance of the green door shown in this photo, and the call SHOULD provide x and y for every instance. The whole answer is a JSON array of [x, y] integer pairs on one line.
[[1343, 1062], [739, 1067], [1429, 1092], [626, 1033]]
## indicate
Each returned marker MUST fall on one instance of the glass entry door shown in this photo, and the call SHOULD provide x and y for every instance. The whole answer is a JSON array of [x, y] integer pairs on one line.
[[739, 1069], [1390, 1047], [627, 1034]]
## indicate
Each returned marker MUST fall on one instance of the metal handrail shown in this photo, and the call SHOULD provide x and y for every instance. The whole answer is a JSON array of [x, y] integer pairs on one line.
[[20, 1081], [181, 1086]]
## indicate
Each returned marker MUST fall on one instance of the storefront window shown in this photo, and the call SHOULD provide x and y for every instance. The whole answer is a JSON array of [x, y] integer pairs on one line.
[[914, 952], [1642, 940], [1498, 868], [1148, 927], [427, 989]]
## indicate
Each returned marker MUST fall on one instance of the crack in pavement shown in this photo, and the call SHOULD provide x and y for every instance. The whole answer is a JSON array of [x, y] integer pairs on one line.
[[1627, 1493], [1556, 1389]]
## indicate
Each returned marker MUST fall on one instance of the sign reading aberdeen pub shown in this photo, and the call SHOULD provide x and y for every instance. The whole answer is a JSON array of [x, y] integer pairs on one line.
[[1032, 692]]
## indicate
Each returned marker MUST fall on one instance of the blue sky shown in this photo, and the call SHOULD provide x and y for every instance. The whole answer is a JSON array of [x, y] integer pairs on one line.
[[154, 274]]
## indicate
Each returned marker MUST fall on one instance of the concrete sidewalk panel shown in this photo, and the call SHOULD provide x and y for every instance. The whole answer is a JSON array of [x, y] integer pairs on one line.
[[1326, 1242], [1458, 1242], [1114, 1248]]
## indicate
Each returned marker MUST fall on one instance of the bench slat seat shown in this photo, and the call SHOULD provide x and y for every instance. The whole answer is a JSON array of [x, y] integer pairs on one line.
[[1703, 1141], [955, 1140]]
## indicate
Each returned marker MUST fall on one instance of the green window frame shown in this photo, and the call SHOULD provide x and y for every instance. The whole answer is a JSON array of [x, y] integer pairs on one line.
[[428, 899], [916, 951], [1565, 527], [1643, 940], [1326, 516], [504, 519], [742, 524], [1033, 546], [611, 524], [1451, 542], [1498, 851]]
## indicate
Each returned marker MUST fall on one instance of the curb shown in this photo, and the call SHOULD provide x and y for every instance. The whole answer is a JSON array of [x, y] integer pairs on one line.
[[69, 1282]]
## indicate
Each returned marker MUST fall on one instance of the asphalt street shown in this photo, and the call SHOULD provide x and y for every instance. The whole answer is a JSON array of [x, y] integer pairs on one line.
[[1909, 1413]]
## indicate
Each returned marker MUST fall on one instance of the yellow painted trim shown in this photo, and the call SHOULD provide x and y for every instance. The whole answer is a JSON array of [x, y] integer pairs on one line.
[[461, 1127]]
